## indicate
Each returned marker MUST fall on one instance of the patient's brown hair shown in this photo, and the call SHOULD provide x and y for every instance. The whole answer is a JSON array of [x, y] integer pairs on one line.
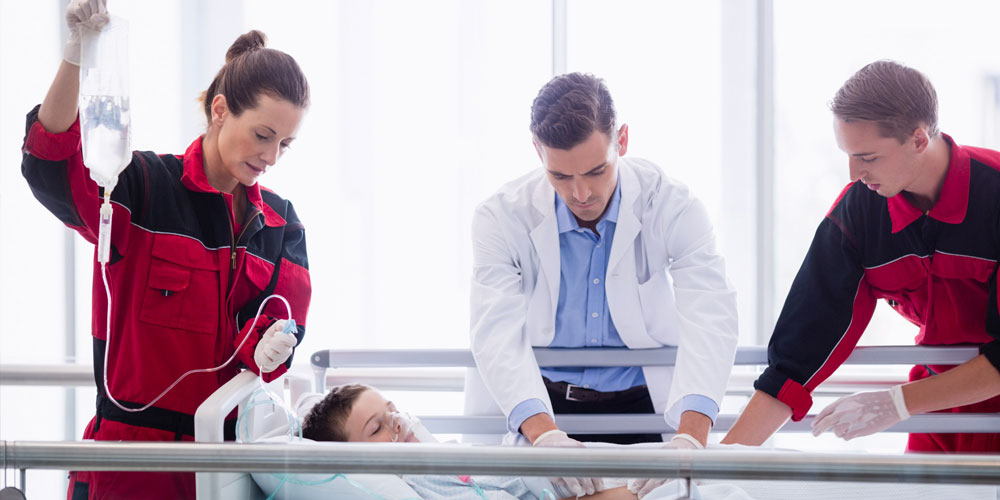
[[327, 420]]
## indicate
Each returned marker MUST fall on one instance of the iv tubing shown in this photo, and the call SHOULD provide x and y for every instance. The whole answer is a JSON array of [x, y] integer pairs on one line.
[[107, 347]]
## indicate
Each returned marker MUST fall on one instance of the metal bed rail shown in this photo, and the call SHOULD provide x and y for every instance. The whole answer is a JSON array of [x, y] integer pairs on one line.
[[514, 461], [654, 423], [401, 379]]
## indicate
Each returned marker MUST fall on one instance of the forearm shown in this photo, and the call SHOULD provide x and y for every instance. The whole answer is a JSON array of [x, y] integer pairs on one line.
[[59, 108], [971, 382], [761, 418], [696, 425], [536, 425]]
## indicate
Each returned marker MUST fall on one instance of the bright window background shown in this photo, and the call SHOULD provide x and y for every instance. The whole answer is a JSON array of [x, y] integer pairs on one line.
[[420, 110]]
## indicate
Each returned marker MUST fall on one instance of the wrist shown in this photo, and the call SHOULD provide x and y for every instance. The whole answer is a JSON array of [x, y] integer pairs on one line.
[[896, 393], [541, 437], [689, 438]]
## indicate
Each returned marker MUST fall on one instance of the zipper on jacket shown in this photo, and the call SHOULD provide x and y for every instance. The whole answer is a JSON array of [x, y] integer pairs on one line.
[[243, 231]]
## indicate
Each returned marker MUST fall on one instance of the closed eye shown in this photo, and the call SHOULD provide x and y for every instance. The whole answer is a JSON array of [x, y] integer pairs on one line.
[[868, 160]]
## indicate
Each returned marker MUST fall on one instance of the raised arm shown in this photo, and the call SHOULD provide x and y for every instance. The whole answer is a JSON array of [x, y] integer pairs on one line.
[[58, 110]]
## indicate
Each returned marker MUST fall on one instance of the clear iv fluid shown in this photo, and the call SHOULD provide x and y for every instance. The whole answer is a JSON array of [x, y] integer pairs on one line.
[[104, 124]]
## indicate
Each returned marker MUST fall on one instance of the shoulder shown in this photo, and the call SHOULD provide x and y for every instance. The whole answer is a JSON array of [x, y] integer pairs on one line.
[[514, 196], [651, 187], [280, 205]]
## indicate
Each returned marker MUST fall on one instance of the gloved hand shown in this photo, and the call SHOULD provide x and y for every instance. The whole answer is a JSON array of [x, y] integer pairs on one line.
[[863, 413], [274, 347], [641, 487], [574, 485], [91, 14]]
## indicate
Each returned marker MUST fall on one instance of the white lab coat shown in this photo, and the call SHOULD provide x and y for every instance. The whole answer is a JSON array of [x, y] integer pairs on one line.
[[665, 283]]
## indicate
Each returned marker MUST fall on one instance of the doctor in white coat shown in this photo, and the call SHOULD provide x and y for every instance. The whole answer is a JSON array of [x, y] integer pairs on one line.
[[543, 275]]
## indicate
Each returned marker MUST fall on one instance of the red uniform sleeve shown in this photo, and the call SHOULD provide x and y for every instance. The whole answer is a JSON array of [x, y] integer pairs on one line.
[[827, 309]]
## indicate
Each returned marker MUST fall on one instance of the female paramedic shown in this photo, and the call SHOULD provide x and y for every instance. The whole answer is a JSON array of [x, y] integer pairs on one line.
[[196, 247]]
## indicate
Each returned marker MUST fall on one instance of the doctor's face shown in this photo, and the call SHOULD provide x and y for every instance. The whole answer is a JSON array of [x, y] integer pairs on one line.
[[585, 176]]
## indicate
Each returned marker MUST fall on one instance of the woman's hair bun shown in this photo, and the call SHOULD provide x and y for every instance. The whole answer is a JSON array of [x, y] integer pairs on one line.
[[246, 43]]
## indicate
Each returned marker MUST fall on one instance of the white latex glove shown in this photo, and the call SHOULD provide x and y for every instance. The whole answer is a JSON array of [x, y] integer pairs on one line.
[[91, 14], [575, 485], [274, 347], [863, 413], [642, 487]]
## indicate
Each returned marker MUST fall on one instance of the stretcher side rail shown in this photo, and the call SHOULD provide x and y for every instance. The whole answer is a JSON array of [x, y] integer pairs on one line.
[[655, 424], [663, 356], [514, 461]]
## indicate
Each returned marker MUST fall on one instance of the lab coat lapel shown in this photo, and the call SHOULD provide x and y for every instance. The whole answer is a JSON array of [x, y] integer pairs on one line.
[[627, 226], [545, 238]]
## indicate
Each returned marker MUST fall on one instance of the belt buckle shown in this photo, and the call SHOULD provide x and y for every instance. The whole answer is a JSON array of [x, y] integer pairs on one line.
[[569, 389]]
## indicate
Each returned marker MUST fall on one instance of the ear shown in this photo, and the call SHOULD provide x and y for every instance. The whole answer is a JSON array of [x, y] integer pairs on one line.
[[219, 109], [920, 138], [623, 139]]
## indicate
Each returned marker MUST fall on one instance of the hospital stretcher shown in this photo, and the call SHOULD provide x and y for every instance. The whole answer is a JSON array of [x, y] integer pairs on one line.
[[222, 469]]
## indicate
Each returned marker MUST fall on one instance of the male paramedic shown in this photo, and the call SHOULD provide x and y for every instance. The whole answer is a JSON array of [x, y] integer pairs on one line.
[[918, 226], [595, 250]]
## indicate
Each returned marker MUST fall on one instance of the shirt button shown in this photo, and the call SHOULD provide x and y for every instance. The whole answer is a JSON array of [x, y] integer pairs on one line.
[[597, 280], [593, 341], [586, 386], [593, 315], [598, 245]]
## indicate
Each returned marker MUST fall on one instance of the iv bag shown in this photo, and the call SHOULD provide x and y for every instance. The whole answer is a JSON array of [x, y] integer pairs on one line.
[[104, 101]]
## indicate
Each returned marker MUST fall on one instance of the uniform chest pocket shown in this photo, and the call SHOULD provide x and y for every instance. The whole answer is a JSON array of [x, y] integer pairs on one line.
[[181, 292]]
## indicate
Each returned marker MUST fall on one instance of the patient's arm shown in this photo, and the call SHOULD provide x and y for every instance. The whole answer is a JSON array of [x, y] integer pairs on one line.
[[619, 493]]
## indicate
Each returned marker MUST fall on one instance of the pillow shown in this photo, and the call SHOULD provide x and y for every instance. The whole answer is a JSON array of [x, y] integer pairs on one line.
[[328, 486]]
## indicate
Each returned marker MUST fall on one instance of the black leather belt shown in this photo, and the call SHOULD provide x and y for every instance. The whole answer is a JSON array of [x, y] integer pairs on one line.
[[579, 393]]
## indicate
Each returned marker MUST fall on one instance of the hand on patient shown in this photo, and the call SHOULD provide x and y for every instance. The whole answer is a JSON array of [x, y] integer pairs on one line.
[[642, 487], [577, 485], [274, 348], [863, 413]]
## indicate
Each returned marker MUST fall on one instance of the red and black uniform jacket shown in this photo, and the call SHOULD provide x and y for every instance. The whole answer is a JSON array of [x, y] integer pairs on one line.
[[938, 270], [186, 279]]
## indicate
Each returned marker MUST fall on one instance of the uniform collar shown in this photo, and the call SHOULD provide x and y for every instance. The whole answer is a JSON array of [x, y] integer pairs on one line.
[[953, 202], [566, 221], [194, 179]]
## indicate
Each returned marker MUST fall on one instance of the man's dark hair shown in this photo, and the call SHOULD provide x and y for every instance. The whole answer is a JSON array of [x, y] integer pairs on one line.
[[570, 108], [897, 98], [326, 420]]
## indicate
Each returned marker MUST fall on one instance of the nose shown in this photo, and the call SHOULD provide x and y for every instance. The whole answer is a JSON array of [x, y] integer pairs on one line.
[[271, 154], [581, 191], [857, 171]]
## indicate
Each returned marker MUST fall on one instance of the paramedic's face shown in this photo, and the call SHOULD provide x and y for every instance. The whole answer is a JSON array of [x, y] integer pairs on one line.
[[371, 420], [251, 143], [585, 176], [881, 163]]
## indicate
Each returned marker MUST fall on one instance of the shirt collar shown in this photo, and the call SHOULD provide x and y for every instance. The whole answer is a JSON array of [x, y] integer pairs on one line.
[[566, 221], [194, 178], [953, 203]]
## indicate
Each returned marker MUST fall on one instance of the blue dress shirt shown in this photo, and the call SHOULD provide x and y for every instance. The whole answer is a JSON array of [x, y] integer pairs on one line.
[[582, 317]]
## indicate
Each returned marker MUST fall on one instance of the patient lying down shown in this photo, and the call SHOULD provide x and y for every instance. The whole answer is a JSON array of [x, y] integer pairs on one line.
[[359, 413]]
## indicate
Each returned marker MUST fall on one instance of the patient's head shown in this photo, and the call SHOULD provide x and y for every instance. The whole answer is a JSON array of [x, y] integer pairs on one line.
[[355, 412]]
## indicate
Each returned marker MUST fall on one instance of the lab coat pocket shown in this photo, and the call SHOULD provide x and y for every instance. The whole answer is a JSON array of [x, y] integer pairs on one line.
[[181, 293], [659, 312]]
